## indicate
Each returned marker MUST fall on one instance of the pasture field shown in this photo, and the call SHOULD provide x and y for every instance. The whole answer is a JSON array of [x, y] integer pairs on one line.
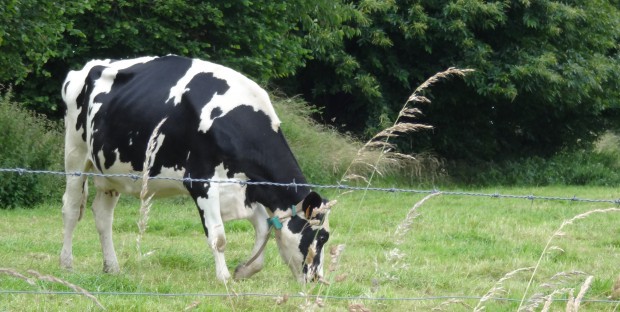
[[447, 258]]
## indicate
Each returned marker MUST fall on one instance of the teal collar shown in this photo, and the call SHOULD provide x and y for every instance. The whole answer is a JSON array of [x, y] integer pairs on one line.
[[276, 222]]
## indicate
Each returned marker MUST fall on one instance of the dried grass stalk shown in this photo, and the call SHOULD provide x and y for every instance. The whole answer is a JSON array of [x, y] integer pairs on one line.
[[78, 289], [498, 288], [571, 300], [555, 283], [615, 289], [401, 157], [145, 199], [582, 292], [399, 128], [402, 124], [282, 300], [334, 253], [549, 298], [50, 278], [403, 228], [444, 305], [382, 145], [410, 112], [452, 71], [11, 272], [192, 306], [358, 307], [353, 177]]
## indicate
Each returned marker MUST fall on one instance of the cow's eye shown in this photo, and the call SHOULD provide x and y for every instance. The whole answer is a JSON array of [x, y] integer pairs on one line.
[[322, 239]]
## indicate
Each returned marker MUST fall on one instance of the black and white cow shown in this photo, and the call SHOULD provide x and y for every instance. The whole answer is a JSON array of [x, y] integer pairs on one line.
[[219, 125]]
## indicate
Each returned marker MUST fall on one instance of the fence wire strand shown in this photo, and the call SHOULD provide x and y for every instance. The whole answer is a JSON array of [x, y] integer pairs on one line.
[[293, 296], [293, 184]]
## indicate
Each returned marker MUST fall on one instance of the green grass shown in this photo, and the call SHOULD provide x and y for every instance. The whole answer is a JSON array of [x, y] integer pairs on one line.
[[459, 246]]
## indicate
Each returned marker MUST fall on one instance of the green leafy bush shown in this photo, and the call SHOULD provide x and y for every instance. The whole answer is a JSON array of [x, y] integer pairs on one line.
[[580, 167], [27, 141]]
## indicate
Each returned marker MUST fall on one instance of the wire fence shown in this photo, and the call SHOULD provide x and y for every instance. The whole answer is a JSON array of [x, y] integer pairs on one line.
[[294, 296], [293, 184]]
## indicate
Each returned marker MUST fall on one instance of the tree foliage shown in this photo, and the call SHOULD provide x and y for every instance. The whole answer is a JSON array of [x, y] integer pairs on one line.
[[260, 38], [547, 71], [29, 34]]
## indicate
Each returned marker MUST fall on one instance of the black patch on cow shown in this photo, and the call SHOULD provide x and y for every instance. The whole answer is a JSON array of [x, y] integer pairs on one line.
[[83, 98], [136, 103], [248, 144], [216, 112], [64, 88]]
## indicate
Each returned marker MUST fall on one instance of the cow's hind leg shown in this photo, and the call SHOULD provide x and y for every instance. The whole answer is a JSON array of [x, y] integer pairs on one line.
[[253, 265], [103, 210], [74, 201], [209, 209]]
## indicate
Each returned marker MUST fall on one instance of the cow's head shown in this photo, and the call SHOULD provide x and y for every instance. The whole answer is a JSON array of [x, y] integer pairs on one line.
[[302, 237]]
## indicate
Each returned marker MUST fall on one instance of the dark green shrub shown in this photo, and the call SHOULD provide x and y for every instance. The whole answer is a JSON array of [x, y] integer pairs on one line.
[[32, 142], [579, 167]]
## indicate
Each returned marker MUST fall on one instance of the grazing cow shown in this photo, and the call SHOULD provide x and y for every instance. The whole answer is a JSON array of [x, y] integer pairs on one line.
[[218, 125]]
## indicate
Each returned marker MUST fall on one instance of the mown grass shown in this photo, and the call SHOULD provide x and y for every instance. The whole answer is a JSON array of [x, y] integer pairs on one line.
[[459, 246]]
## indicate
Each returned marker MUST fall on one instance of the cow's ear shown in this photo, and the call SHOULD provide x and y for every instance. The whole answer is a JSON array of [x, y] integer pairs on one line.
[[312, 201]]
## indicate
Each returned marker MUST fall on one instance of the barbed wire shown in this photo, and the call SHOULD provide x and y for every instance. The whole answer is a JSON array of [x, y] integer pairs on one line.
[[293, 184]]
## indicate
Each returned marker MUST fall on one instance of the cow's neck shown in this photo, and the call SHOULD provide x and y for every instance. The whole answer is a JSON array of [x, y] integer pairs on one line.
[[278, 197]]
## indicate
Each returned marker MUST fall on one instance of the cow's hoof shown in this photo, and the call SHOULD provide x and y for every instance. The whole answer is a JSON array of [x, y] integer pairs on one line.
[[111, 268], [223, 276], [66, 260], [242, 271]]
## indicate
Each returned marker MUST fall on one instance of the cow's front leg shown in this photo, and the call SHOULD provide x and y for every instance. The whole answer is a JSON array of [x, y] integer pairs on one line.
[[209, 209], [259, 220], [103, 210]]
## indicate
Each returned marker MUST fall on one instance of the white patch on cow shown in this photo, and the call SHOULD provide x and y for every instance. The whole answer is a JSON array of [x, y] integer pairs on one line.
[[243, 91], [232, 195], [210, 207], [72, 87], [75, 80], [288, 243], [176, 92]]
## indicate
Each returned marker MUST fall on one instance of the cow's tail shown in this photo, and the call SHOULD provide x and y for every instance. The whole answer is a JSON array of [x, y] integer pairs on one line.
[[84, 199]]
